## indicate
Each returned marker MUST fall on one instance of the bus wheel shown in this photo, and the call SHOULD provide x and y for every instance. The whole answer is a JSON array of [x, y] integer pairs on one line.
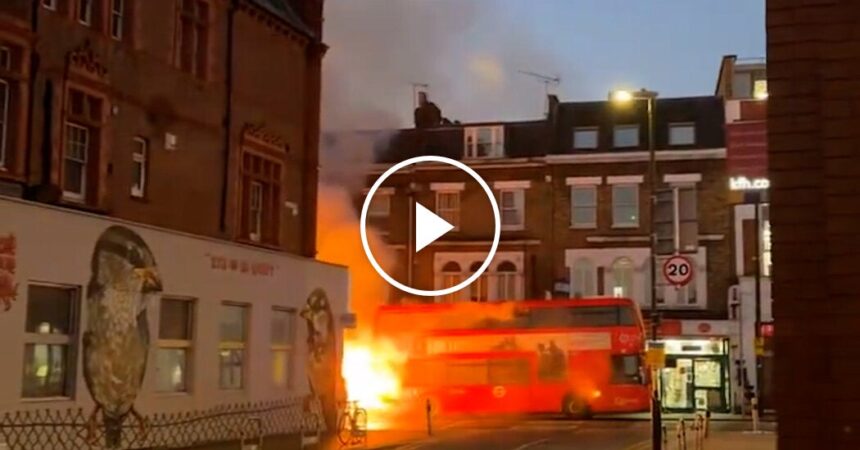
[[574, 407]]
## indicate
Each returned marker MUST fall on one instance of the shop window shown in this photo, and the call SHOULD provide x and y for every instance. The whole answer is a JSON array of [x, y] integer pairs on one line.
[[193, 37], [232, 346], [261, 198], [175, 344], [49, 349], [448, 207], [283, 346], [583, 278], [626, 369]]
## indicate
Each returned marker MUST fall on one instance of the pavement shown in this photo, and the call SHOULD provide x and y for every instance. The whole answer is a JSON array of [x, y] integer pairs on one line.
[[547, 433]]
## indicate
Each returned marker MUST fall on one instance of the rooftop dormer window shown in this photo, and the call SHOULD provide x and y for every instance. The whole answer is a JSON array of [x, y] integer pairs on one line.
[[485, 142]]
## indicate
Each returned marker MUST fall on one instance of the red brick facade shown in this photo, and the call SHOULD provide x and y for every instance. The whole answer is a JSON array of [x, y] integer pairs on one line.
[[159, 77], [813, 70]]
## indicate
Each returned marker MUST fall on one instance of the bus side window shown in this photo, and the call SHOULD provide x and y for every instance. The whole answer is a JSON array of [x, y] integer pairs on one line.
[[626, 369]]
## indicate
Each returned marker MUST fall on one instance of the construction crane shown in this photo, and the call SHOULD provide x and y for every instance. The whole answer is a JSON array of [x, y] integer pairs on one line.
[[546, 80]]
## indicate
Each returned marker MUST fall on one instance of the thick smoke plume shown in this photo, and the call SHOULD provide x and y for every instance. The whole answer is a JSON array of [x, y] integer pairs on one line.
[[380, 47]]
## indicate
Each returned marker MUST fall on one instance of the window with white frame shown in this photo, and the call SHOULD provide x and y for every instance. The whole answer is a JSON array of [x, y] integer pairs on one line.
[[506, 281], [85, 12], [583, 278], [625, 205], [622, 277], [75, 157], [478, 291], [175, 344], [283, 346], [485, 142], [4, 120], [255, 211], [583, 206], [49, 348], [139, 154], [448, 207], [512, 208], [231, 348], [676, 219], [50, 4], [625, 136], [450, 276], [682, 133], [585, 138], [380, 205], [117, 11]]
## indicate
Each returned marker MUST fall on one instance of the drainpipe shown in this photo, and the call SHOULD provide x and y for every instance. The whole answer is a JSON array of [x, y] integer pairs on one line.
[[228, 114], [31, 100]]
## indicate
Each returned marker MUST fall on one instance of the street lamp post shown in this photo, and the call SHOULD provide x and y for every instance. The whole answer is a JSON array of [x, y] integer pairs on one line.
[[650, 98]]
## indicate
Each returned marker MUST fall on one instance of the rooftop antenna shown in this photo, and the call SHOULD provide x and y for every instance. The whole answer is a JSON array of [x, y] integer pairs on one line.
[[546, 80], [415, 89]]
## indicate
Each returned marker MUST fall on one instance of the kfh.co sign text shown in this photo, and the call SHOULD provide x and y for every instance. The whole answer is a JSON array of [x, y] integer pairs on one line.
[[747, 184]]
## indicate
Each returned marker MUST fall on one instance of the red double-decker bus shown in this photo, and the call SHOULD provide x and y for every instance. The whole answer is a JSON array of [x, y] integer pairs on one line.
[[579, 357]]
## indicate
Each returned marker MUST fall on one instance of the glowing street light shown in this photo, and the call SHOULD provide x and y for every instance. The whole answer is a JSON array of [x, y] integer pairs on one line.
[[621, 96]]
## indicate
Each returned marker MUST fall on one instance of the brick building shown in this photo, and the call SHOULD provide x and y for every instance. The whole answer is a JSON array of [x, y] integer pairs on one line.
[[573, 193], [813, 51], [191, 126], [194, 115]]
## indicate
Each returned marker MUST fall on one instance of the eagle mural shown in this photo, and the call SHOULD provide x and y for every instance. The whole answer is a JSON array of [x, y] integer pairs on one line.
[[123, 281], [322, 353]]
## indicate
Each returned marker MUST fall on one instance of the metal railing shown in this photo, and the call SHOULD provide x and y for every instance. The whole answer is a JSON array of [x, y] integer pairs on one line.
[[70, 429]]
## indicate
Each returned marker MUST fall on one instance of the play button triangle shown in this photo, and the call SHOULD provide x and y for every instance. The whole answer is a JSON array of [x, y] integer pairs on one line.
[[428, 227]]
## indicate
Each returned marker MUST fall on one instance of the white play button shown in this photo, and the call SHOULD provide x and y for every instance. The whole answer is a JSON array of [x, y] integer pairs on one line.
[[428, 227]]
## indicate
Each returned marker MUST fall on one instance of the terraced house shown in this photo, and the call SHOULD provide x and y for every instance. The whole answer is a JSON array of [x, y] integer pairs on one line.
[[573, 193]]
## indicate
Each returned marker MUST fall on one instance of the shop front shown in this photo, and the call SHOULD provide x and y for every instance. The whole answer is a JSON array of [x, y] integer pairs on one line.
[[697, 375]]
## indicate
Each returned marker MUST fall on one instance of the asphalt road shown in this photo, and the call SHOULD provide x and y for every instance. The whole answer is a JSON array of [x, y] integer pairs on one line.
[[541, 434]]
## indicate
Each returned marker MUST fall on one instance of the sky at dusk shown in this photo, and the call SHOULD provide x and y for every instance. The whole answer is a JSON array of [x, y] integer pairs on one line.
[[470, 52]]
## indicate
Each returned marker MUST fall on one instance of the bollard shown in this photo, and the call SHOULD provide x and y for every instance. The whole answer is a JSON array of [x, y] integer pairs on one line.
[[429, 420], [665, 437], [754, 403], [707, 423]]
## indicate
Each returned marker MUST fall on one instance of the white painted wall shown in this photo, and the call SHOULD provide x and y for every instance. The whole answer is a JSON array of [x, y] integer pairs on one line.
[[55, 245]]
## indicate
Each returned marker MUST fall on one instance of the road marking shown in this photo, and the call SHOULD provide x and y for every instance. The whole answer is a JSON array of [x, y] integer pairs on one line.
[[532, 444]]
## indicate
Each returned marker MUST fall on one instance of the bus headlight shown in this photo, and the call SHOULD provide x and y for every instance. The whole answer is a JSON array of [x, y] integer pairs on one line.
[[596, 394]]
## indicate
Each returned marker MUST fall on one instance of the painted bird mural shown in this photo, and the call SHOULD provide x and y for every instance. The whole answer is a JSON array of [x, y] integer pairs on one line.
[[321, 351], [116, 341]]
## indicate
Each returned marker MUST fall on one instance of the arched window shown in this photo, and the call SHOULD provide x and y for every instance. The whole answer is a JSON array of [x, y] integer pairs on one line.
[[622, 277], [583, 278], [478, 289], [451, 272], [506, 283]]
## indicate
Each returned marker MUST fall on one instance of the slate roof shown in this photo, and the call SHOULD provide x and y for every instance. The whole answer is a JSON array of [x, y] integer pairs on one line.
[[282, 10]]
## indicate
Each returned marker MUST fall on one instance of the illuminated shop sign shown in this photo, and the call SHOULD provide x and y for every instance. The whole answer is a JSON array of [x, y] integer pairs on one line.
[[748, 184]]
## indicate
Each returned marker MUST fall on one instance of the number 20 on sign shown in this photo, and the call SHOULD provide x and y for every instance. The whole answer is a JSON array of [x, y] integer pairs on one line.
[[678, 270]]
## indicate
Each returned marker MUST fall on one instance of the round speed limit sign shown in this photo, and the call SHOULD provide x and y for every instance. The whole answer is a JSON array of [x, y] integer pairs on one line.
[[678, 270]]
